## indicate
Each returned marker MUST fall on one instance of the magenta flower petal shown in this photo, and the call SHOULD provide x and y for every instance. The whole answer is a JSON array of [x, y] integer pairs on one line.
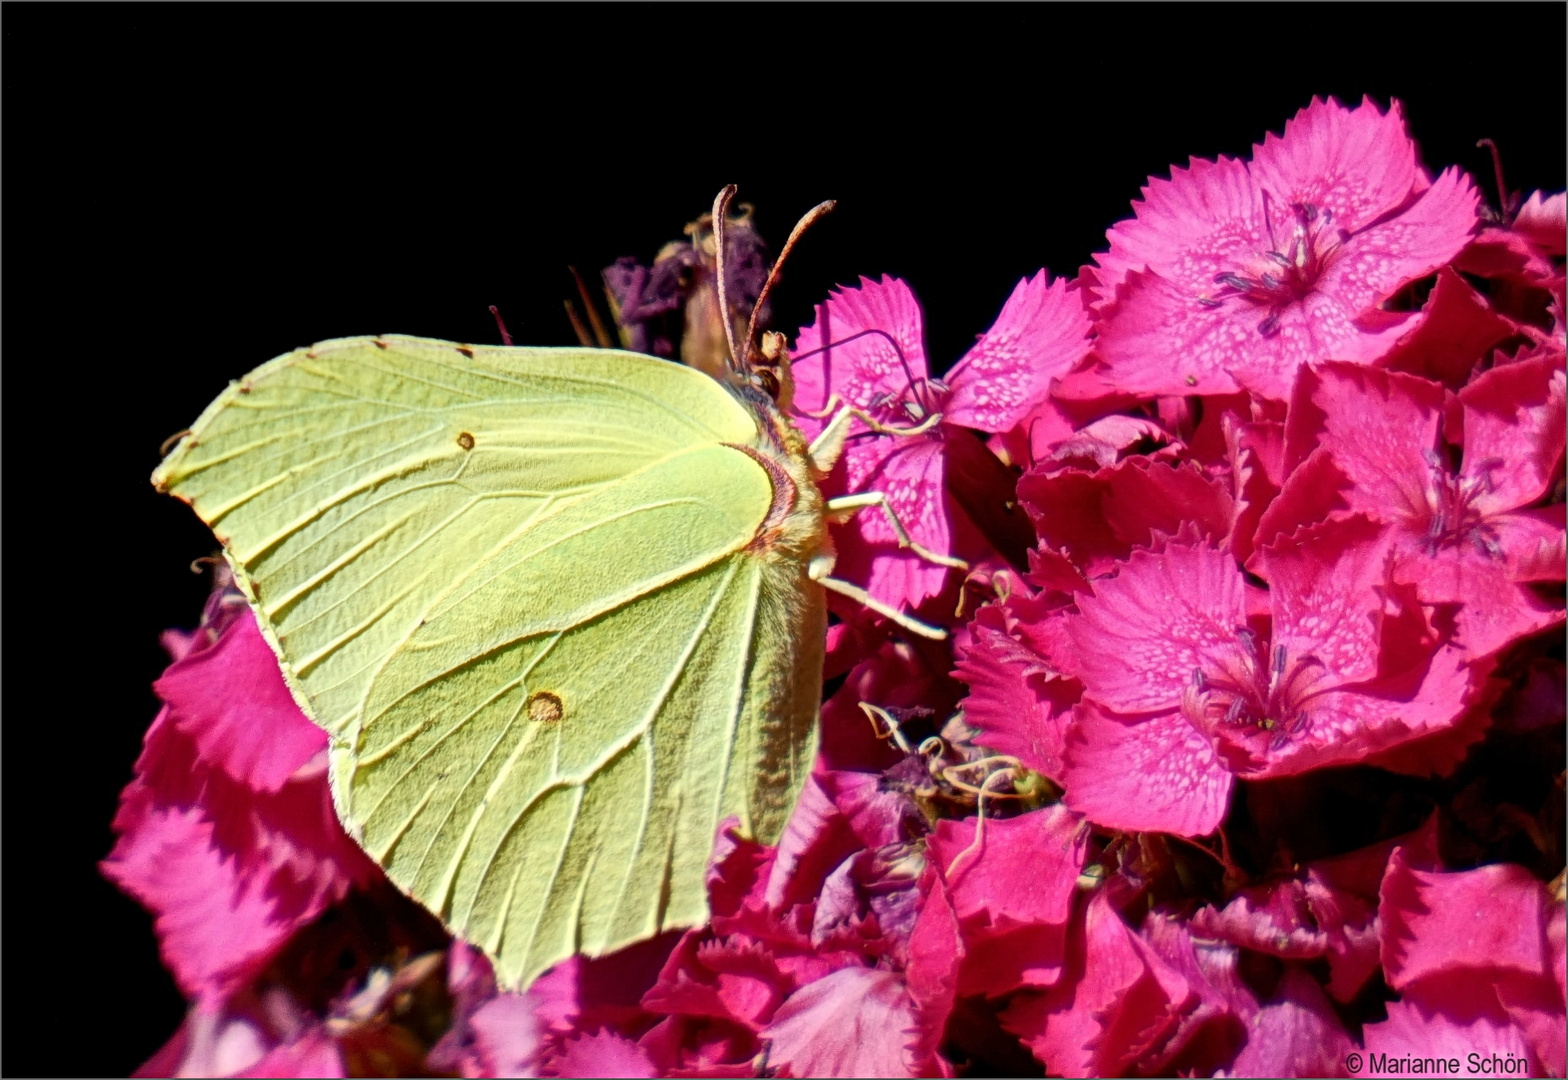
[[1160, 774], [508, 1039], [691, 1046], [1543, 219], [867, 348], [218, 920], [1154, 338], [1358, 164], [1513, 433], [747, 981], [1457, 329], [1209, 1026], [1477, 949], [1190, 228], [877, 817], [1018, 710], [1255, 454], [1492, 917], [816, 839], [212, 1042], [313, 1054], [1533, 542], [1380, 258], [1111, 1006], [1417, 1029], [602, 1054], [1329, 909], [936, 949], [230, 699], [1456, 538], [1381, 428], [862, 370], [1100, 517], [1139, 638], [1536, 1009], [1357, 671], [909, 471], [1296, 1034], [1041, 334], [1013, 894], [1025, 871], [898, 674], [587, 993], [1350, 667], [1108, 440], [855, 1022], [1323, 588], [1276, 919]]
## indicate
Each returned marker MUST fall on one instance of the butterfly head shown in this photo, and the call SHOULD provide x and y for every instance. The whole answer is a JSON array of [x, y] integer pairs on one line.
[[767, 370], [759, 366]]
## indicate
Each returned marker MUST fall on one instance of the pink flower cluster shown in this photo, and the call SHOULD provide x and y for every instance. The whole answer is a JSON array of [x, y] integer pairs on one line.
[[1244, 757]]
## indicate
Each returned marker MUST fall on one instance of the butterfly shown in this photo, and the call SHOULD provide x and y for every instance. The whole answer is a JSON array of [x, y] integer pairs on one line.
[[561, 611]]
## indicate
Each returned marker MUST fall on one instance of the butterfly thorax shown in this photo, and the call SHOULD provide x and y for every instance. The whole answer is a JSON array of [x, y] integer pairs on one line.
[[794, 531]]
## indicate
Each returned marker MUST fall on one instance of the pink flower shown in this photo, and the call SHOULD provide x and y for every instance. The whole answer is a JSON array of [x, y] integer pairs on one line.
[[867, 347], [227, 833], [1471, 536], [1232, 274], [1181, 693]]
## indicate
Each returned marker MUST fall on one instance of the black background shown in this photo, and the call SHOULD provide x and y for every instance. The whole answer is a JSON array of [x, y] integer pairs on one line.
[[191, 190]]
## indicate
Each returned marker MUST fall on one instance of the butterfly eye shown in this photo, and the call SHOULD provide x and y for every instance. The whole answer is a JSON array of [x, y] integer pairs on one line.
[[768, 382]]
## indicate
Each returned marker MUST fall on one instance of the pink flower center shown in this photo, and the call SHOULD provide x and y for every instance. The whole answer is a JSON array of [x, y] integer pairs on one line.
[[1450, 516], [1246, 697], [1288, 271]]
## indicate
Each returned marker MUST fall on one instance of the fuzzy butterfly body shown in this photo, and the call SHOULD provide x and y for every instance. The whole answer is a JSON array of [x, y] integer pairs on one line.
[[557, 609]]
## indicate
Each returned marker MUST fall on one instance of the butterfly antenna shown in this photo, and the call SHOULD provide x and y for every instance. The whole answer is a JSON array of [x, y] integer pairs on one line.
[[811, 217], [721, 209]]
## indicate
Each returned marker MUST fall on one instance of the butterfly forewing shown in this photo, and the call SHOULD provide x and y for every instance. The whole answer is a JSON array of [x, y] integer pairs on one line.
[[342, 485]]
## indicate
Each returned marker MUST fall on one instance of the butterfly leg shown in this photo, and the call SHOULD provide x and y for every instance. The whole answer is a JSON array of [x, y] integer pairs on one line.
[[827, 446], [865, 599], [845, 505]]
